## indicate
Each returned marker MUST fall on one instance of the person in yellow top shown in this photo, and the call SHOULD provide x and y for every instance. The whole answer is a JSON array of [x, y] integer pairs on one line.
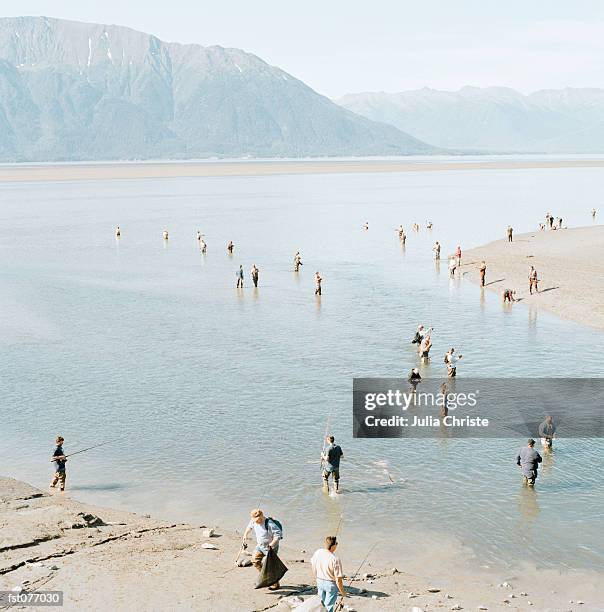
[[327, 570]]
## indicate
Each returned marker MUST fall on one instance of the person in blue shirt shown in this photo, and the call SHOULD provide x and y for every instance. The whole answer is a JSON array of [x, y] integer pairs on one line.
[[331, 458], [59, 459]]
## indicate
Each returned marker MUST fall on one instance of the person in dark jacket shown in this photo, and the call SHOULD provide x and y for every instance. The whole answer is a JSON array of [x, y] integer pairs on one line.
[[59, 459], [330, 460], [529, 459]]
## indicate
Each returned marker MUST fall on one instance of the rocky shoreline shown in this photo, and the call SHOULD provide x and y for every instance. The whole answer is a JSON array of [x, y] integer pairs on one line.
[[104, 559]]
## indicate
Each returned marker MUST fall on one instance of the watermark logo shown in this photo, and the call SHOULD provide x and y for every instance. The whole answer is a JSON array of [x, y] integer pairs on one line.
[[478, 408]]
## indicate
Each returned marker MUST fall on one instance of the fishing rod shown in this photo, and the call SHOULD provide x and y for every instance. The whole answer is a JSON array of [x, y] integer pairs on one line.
[[83, 450], [325, 437], [340, 604]]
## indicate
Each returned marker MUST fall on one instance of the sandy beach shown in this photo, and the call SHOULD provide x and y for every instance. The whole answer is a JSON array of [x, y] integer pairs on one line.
[[107, 559], [570, 267], [182, 169]]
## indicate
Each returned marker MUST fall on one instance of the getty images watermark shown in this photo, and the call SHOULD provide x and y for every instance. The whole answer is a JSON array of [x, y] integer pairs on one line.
[[477, 408]]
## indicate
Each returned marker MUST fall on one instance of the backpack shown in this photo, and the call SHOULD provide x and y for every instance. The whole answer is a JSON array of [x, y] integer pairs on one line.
[[278, 523]]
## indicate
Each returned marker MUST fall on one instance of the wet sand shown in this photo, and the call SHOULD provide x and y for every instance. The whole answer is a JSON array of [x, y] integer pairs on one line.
[[179, 169], [105, 559], [569, 262]]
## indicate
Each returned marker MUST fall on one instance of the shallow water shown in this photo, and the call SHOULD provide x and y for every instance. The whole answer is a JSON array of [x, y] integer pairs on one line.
[[221, 399]]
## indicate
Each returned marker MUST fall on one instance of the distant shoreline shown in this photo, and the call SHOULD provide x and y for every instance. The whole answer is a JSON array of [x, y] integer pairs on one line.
[[569, 264], [30, 172]]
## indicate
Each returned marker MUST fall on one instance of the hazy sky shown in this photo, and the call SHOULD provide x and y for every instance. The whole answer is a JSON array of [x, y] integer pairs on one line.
[[341, 46]]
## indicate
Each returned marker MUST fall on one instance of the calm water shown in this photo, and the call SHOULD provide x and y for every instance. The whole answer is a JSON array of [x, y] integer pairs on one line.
[[221, 398]]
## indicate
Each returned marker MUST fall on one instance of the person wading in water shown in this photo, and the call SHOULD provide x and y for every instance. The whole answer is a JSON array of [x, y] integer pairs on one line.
[[331, 458]]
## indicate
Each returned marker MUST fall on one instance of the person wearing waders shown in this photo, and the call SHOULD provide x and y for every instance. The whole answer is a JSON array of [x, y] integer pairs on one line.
[[268, 533], [529, 459], [330, 457], [297, 261], [318, 281]]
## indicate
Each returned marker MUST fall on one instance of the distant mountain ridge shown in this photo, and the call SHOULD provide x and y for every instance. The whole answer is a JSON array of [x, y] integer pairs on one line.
[[492, 118], [78, 91]]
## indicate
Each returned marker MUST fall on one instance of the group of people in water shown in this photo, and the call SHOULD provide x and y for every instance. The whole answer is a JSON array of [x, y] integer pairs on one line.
[[423, 340]]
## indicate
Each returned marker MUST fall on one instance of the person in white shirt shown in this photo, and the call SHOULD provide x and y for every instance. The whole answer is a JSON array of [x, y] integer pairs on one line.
[[451, 360], [268, 533], [327, 570]]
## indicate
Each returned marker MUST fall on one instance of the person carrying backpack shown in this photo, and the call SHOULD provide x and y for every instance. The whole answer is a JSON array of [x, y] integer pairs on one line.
[[269, 532]]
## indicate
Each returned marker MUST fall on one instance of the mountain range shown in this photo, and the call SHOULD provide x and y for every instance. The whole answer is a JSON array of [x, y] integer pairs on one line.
[[493, 119], [79, 91]]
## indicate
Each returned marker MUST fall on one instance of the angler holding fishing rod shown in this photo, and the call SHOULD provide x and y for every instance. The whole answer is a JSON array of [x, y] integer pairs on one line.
[[327, 570], [60, 458], [330, 463]]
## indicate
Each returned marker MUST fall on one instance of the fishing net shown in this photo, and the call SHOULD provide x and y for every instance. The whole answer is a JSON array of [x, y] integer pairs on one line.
[[273, 569]]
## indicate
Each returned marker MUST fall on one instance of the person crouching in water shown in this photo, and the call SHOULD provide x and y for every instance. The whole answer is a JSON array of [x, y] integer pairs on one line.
[[331, 457], [327, 570], [59, 459], [268, 533]]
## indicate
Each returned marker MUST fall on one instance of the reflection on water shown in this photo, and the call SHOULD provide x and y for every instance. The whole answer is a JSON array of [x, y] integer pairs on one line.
[[223, 396]]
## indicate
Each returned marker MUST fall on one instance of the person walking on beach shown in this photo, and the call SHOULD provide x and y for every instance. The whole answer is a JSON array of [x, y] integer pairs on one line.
[[483, 272], [254, 273], [269, 533], [510, 233], [118, 232], [451, 359], [330, 459], [547, 431], [436, 249], [297, 261], [559, 222], [593, 213], [318, 281], [327, 570], [533, 280], [458, 256], [59, 459], [529, 459], [230, 247], [239, 275], [165, 234]]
